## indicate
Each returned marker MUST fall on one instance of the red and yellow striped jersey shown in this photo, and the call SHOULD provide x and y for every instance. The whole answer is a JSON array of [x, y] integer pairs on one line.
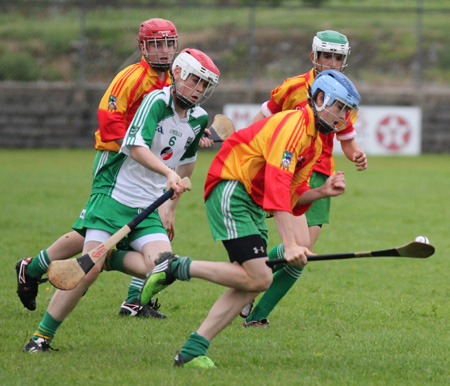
[[293, 94], [120, 102], [273, 158]]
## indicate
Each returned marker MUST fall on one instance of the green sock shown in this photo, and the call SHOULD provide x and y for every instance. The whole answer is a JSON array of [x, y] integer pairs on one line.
[[181, 268], [195, 346], [134, 290], [277, 252], [47, 328], [39, 264], [114, 261], [283, 280]]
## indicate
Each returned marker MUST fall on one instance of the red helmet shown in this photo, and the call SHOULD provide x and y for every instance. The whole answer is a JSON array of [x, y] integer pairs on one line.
[[158, 32], [157, 29], [194, 62]]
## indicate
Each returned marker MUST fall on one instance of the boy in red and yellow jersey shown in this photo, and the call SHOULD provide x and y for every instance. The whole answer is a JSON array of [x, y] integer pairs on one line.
[[263, 168], [330, 50], [158, 41]]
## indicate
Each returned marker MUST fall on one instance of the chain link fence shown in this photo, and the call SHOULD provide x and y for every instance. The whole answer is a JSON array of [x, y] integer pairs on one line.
[[396, 43]]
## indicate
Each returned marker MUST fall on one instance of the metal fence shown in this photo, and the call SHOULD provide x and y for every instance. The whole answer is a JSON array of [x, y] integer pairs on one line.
[[253, 42]]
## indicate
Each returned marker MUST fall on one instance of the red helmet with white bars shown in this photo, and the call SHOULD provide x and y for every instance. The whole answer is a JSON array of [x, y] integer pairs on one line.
[[193, 62], [159, 39]]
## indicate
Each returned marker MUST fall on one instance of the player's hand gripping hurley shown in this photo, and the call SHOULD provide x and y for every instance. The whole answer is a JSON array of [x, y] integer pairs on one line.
[[414, 249], [67, 274]]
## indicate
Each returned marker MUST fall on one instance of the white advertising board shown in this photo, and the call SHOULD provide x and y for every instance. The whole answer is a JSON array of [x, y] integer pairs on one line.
[[381, 130]]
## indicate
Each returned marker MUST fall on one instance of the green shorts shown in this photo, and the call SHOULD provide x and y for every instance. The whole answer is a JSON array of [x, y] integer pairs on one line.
[[319, 212], [100, 159], [78, 225], [232, 213], [105, 213]]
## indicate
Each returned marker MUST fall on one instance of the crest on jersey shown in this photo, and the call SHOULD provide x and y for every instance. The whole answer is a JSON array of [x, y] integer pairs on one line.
[[112, 102], [300, 161], [166, 153], [188, 142], [133, 131], [286, 160]]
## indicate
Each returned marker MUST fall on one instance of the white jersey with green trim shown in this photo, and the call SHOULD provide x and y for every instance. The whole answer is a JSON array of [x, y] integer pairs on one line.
[[158, 127]]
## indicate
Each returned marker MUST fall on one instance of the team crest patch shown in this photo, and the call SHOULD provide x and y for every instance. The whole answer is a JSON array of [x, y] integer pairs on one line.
[[286, 160], [166, 153], [112, 102]]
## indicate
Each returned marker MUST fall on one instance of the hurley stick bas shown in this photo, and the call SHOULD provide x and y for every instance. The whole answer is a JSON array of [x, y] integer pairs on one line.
[[221, 128], [414, 249], [67, 274]]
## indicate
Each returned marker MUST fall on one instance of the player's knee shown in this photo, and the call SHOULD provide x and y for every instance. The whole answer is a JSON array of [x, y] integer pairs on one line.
[[266, 282], [261, 283]]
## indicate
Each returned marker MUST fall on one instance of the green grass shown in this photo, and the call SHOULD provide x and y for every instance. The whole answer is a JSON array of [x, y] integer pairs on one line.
[[381, 321]]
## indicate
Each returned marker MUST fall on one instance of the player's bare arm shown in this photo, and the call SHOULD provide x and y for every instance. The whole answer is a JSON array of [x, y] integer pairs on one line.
[[294, 253], [334, 186], [354, 153]]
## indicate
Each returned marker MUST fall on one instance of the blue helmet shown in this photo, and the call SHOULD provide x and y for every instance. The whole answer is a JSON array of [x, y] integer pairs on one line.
[[336, 87]]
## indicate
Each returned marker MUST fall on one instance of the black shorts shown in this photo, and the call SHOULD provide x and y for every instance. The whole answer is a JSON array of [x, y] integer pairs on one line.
[[245, 248]]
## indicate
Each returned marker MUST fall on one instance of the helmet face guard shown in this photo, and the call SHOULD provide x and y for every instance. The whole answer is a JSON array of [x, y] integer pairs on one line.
[[340, 104], [334, 44], [335, 121], [198, 74], [159, 39]]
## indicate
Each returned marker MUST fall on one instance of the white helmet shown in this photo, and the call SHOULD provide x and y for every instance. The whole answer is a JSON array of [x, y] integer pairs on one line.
[[194, 62], [331, 42]]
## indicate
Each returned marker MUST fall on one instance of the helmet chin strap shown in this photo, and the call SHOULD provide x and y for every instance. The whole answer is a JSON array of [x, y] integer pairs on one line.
[[163, 67], [324, 127], [159, 66], [182, 102]]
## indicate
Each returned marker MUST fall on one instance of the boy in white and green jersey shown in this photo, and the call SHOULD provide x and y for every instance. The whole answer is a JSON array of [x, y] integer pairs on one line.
[[159, 149], [174, 141], [128, 187]]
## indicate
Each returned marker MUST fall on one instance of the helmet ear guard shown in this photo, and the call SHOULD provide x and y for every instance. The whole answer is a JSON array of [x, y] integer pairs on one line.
[[337, 88], [193, 62]]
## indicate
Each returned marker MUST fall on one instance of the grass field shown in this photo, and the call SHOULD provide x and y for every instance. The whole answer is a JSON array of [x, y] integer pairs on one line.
[[382, 321]]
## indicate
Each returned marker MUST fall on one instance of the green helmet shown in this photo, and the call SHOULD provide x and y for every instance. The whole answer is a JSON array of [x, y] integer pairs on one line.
[[331, 42]]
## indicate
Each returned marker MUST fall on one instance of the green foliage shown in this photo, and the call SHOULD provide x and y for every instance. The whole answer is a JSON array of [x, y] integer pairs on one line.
[[53, 74], [18, 66], [384, 40], [380, 321]]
